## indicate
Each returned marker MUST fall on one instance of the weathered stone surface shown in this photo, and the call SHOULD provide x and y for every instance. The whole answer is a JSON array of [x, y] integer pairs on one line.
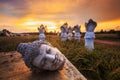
[[41, 55], [90, 35], [12, 67], [64, 29], [70, 31]]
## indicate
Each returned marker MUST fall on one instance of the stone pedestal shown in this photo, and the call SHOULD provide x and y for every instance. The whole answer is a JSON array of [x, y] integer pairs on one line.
[[89, 40], [42, 36], [64, 36], [77, 32]]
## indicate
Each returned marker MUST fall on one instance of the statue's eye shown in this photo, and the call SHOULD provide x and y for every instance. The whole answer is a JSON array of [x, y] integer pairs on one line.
[[48, 51]]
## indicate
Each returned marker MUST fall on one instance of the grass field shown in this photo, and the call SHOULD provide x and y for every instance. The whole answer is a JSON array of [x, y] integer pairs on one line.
[[101, 64], [110, 37]]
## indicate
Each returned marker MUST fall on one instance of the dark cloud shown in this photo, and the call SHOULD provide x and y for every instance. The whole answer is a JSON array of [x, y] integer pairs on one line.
[[101, 10], [17, 4], [80, 10], [14, 8]]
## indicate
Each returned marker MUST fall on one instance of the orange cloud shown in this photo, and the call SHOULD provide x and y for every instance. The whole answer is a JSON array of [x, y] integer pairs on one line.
[[20, 13], [114, 24]]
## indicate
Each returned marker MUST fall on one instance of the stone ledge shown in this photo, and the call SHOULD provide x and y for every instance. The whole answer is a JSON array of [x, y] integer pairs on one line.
[[13, 68]]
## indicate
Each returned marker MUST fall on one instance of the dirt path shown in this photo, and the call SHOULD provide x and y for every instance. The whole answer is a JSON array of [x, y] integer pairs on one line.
[[107, 42]]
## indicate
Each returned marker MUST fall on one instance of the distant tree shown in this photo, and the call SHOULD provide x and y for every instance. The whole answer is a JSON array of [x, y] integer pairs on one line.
[[101, 31], [118, 33], [55, 31], [112, 31], [118, 30], [105, 31]]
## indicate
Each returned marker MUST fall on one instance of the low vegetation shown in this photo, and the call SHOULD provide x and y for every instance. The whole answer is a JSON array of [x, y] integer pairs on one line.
[[108, 36], [103, 63], [10, 43]]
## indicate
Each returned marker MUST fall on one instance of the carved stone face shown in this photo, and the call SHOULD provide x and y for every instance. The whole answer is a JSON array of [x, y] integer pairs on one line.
[[41, 55], [50, 58]]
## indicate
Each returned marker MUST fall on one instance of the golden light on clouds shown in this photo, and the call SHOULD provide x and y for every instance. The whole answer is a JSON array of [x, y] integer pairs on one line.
[[27, 15], [33, 24], [108, 25]]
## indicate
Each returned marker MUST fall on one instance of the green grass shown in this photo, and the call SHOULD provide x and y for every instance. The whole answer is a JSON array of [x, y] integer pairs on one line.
[[10, 43], [103, 63], [111, 37]]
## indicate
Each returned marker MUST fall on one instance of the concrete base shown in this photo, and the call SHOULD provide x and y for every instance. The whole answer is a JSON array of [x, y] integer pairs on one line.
[[89, 43]]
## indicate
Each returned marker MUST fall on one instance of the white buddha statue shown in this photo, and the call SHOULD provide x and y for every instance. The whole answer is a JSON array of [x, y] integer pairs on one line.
[[89, 35], [41, 30], [70, 33], [77, 32], [64, 29]]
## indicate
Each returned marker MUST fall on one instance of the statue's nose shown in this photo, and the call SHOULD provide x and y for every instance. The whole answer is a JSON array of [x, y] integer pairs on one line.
[[50, 57]]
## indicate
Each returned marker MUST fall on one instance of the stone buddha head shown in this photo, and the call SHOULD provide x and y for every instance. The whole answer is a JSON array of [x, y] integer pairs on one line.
[[41, 55]]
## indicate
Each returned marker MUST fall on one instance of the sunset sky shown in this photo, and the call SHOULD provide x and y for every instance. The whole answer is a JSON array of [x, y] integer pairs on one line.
[[27, 15]]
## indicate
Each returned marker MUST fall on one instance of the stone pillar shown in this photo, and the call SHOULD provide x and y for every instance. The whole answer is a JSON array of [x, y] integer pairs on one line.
[[70, 33], [89, 35], [64, 29], [77, 32]]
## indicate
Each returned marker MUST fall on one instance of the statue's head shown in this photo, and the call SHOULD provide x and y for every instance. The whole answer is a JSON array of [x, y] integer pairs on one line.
[[77, 28], [41, 25], [41, 28], [64, 28], [40, 55], [65, 24], [90, 26]]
